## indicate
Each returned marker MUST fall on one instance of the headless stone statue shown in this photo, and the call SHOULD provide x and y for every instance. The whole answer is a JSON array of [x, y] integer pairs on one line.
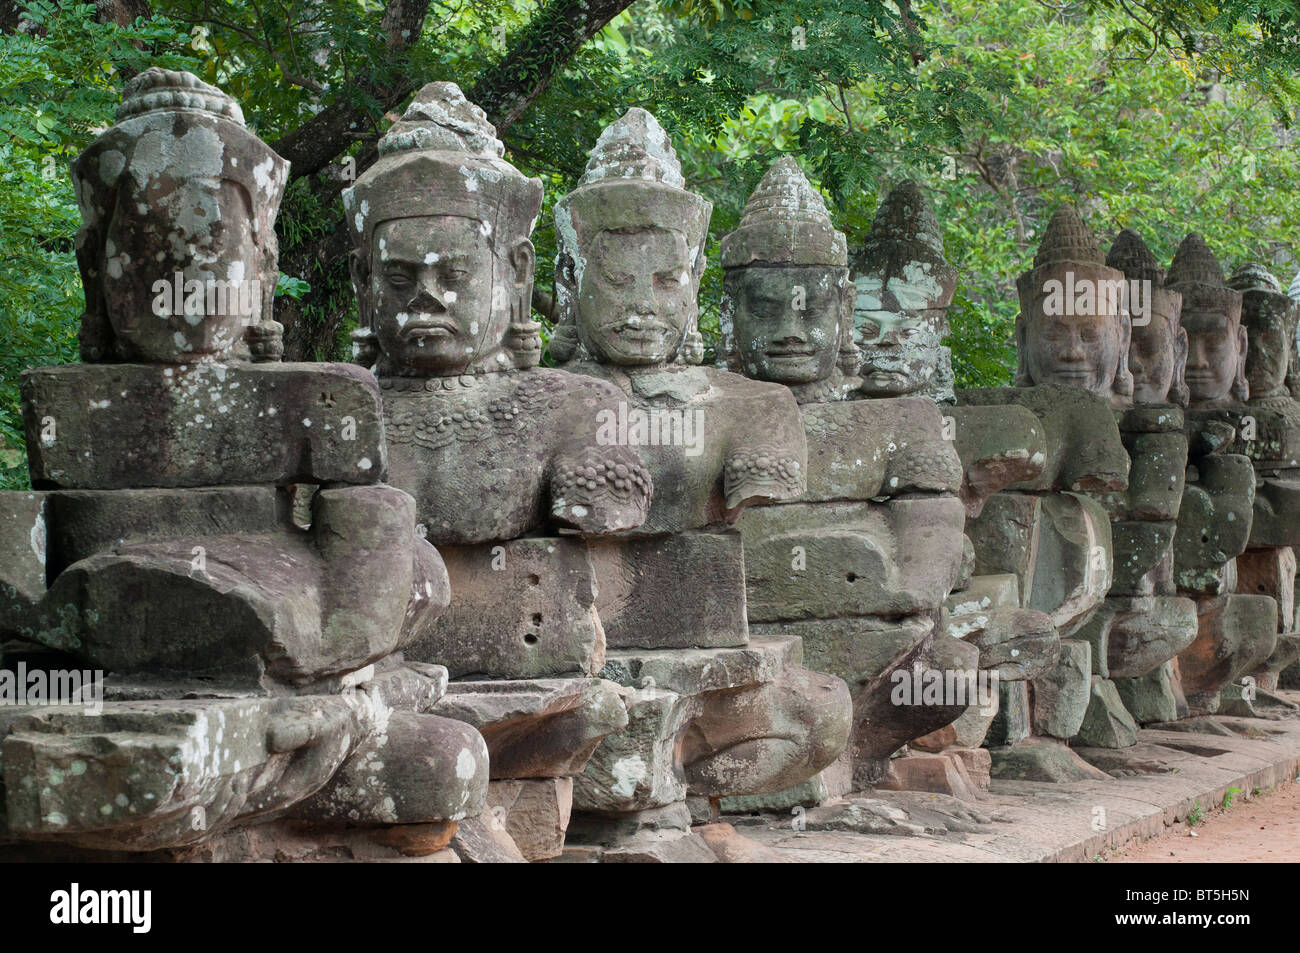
[[501, 455], [631, 252], [253, 662], [859, 575]]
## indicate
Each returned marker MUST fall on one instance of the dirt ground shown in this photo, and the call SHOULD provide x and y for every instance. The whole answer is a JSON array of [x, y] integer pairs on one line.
[[1263, 829]]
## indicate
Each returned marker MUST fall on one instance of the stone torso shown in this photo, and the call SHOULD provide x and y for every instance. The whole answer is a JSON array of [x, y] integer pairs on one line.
[[490, 457], [741, 441]]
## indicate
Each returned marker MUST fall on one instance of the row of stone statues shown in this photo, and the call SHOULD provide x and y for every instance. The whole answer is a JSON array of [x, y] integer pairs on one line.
[[450, 601]]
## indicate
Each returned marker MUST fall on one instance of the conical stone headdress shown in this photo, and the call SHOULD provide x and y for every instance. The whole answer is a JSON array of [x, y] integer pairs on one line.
[[785, 222], [443, 158], [1130, 254], [905, 246], [1197, 274]]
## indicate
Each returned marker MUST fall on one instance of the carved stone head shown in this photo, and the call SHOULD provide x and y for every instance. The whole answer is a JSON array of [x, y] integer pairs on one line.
[[630, 241], [177, 247], [1269, 317], [787, 307], [904, 286], [1073, 328], [1216, 356], [1157, 353], [443, 265]]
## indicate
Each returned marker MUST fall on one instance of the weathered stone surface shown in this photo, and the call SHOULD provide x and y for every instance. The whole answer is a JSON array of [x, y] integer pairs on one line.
[[858, 650], [936, 773], [151, 774], [1060, 696], [541, 728], [85, 523], [999, 447], [701, 575], [1235, 635], [863, 450], [1017, 644], [524, 608], [244, 606], [1149, 698], [1042, 759], [851, 559], [1143, 557], [1058, 546], [481, 840], [117, 426], [732, 848], [1158, 466], [1270, 572], [984, 592], [724, 721], [24, 546], [1107, 723], [422, 768], [492, 456], [1011, 723], [1144, 633], [1274, 521], [534, 813], [904, 286]]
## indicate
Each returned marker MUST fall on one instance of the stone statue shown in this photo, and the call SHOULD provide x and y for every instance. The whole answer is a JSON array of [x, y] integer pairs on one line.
[[1073, 328], [1237, 631], [255, 666], [870, 572], [501, 455], [630, 255], [1157, 354]]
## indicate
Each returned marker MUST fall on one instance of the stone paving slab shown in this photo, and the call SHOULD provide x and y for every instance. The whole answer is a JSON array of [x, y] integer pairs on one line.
[[1026, 821]]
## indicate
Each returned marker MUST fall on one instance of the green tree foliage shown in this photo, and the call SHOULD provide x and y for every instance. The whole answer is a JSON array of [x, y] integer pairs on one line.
[[1166, 117]]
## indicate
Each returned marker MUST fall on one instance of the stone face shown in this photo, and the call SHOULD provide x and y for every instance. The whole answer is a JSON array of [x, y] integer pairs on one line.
[[700, 574], [1216, 357], [1074, 326], [119, 426], [1157, 355], [525, 608], [1142, 633], [903, 286], [177, 247]]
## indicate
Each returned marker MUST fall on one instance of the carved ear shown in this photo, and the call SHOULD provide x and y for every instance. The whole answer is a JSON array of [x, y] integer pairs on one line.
[[1178, 391], [1123, 376], [1241, 387], [1022, 360], [523, 259], [359, 267], [849, 360]]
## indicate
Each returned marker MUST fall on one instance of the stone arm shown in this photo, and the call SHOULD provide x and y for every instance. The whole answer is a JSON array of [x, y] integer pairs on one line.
[[767, 453], [595, 488]]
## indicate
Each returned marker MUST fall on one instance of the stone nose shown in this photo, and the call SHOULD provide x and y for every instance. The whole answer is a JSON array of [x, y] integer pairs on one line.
[[429, 295]]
